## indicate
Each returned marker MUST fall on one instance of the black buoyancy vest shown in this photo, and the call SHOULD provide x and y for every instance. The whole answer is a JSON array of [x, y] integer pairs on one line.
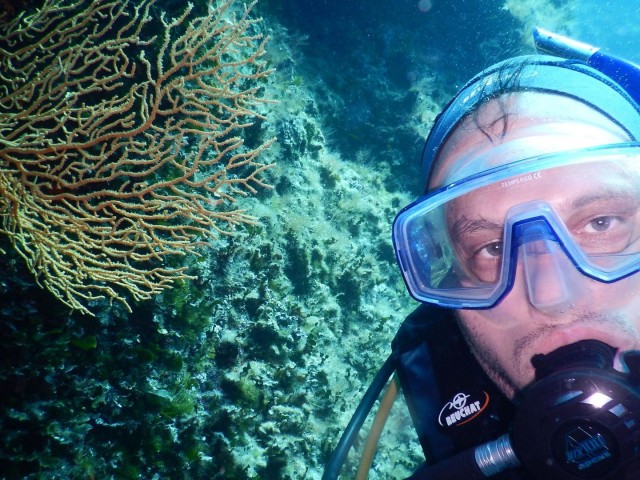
[[453, 403]]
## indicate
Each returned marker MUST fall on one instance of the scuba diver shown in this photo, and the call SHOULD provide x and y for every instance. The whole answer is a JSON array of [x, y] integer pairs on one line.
[[523, 359]]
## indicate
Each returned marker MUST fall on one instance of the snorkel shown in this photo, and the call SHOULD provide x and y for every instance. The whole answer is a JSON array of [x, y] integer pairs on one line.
[[580, 418]]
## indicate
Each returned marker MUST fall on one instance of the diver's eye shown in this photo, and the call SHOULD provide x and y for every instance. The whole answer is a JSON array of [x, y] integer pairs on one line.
[[493, 249], [602, 224], [485, 262]]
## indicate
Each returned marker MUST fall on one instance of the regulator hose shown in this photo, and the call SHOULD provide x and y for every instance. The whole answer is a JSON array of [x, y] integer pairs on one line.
[[333, 467]]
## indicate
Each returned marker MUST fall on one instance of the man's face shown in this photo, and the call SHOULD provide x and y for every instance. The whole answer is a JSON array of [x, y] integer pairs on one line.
[[505, 337]]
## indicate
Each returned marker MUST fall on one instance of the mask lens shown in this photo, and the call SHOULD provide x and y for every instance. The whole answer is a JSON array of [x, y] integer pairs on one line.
[[455, 247]]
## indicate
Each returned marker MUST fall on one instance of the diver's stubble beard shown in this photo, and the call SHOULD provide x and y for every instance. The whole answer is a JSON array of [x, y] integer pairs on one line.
[[525, 347], [487, 360]]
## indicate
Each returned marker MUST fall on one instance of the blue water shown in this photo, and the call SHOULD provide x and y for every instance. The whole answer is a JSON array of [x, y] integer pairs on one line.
[[613, 25]]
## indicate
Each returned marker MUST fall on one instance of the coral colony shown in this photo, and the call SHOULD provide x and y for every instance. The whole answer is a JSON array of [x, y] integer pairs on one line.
[[121, 141]]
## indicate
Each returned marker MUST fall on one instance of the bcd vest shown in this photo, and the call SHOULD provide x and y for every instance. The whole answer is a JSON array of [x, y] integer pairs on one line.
[[453, 403]]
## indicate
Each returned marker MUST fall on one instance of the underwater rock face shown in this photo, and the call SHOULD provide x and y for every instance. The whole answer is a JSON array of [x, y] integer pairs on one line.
[[253, 369]]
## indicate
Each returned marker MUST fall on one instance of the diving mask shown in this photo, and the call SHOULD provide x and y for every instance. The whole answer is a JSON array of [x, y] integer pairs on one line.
[[545, 218]]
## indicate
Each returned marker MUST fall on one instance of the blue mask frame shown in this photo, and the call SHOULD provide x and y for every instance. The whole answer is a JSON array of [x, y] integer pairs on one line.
[[433, 263]]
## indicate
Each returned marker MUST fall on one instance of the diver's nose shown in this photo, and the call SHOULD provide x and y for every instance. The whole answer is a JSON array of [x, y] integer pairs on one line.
[[548, 272]]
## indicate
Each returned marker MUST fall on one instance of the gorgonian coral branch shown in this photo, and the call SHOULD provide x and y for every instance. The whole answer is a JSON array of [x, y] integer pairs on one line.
[[121, 140]]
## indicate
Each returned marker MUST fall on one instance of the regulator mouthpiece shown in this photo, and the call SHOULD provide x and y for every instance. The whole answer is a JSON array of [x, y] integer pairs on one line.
[[580, 419], [585, 353]]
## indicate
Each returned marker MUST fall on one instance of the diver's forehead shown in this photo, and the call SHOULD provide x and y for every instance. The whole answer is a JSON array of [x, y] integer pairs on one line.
[[566, 188], [536, 124]]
